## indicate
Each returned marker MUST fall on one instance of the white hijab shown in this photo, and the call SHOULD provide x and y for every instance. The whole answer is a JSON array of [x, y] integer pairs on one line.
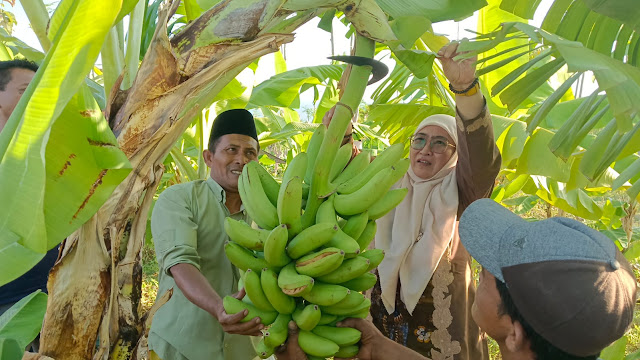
[[416, 234]]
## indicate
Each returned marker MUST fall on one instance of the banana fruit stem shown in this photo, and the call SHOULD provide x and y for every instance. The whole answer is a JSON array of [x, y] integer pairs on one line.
[[345, 110]]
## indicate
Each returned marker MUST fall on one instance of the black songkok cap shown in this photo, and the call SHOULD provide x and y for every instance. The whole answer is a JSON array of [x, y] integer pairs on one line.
[[234, 121]]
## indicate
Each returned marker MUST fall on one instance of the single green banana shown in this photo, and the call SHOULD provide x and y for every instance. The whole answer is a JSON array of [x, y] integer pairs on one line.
[[362, 199], [275, 245], [283, 303], [344, 242], [343, 336], [253, 288], [350, 302], [341, 160], [297, 167], [277, 334], [326, 294], [246, 200], [350, 269], [363, 282], [388, 202], [290, 205], [292, 283], [356, 224], [243, 234], [326, 212], [310, 239], [320, 263], [367, 235], [312, 151], [265, 213], [345, 311], [347, 352], [362, 314], [355, 167], [233, 306], [375, 256], [269, 184], [315, 345], [307, 318], [387, 158], [242, 258], [263, 350]]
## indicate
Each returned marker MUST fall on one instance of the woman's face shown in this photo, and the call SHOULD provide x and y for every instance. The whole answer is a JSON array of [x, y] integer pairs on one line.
[[425, 163]]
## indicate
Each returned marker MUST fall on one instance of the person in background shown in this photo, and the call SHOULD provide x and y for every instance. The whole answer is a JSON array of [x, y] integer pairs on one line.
[[425, 290], [555, 289], [15, 76], [187, 224]]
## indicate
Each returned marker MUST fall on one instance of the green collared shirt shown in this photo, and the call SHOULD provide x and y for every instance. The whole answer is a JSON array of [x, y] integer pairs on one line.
[[188, 228]]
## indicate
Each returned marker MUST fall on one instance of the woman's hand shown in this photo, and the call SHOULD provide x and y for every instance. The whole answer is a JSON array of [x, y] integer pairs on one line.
[[459, 73], [231, 324]]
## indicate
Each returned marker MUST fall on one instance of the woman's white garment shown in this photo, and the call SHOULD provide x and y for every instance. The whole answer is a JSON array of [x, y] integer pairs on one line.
[[416, 234]]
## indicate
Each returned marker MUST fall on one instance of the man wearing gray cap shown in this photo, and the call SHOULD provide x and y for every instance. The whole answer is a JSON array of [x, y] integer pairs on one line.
[[553, 289]]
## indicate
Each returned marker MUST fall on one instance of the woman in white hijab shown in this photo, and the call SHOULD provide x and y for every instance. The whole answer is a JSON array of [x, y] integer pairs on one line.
[[425, 291]]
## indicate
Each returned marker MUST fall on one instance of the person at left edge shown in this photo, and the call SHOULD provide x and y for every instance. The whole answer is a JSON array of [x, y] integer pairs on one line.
[[189, 237]]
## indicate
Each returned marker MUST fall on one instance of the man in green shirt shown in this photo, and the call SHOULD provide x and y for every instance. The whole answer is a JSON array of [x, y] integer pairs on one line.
[[189, 237]]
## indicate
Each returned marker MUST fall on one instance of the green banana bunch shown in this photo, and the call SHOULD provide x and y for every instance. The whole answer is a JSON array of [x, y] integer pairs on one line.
[[364, 197], [350, 269], [283, 303], [292, 283], [308, 317], [275, 245], [309, 262], [253, 288], [369, 19], [233, 306], [242, 258], [320, 263], [315, 345], [326, 295], [243, 234]]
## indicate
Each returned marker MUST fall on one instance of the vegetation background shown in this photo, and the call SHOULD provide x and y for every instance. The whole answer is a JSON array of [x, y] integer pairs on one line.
[[564, 90]]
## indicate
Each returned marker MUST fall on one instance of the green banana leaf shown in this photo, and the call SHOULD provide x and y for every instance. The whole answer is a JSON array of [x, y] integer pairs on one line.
[[283, 89], [57, 173], [10, 349], [433, 10], [23, 321]]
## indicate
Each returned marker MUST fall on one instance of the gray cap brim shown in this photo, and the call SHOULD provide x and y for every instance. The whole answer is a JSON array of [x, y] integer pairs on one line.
[[482, 226]]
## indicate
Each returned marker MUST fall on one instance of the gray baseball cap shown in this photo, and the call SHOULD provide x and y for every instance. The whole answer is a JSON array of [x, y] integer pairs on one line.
[[568, 281]]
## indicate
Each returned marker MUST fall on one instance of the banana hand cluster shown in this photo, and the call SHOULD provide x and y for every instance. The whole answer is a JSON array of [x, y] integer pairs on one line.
[[313, 274]]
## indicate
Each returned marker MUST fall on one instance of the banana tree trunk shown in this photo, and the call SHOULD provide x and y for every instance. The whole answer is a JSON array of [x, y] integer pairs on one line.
[[95, 287]]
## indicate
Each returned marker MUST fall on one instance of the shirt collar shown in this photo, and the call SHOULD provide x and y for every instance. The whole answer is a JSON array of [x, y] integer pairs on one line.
[[217, 190]]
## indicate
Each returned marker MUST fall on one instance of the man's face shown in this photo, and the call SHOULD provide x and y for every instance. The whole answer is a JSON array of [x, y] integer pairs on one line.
[[425, 162], [486, 308], [232, 152], [20, 79]]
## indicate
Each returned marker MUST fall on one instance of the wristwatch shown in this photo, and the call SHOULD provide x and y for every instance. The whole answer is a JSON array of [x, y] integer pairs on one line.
[[471, 90]]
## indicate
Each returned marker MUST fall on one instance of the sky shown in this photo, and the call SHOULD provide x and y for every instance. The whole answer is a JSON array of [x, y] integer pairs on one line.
[[311, 47]]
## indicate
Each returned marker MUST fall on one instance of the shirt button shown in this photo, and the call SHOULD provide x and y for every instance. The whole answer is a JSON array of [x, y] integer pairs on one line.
[[419, 236]]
